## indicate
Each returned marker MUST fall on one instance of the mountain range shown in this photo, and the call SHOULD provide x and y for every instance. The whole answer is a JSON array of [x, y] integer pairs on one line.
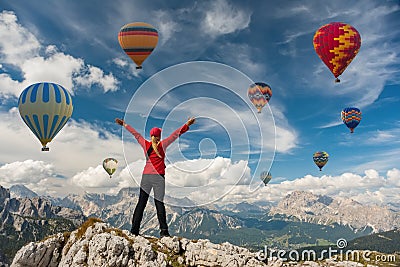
[[298, 220], [326, 210], [30, 219]]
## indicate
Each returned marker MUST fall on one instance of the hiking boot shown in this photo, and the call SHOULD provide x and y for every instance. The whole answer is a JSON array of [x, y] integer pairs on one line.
[[136, 233], [164, 233]]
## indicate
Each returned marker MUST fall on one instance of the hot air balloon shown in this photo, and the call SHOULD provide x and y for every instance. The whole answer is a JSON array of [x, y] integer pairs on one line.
[[337, 44], [351, 117], [320, 158], [110, 165], [138, 40], [45, 108], [265, 177], [259, 94]]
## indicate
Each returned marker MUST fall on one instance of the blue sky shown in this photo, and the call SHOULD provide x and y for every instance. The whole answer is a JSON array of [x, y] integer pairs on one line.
[[75, 44]]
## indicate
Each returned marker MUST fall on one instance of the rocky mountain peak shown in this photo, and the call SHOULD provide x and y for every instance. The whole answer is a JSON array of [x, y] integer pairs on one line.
[[21, 191], [98, 244], [4, 194], [128, 192], [305, 199]]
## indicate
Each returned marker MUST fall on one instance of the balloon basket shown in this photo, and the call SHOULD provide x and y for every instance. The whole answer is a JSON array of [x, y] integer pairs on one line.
[[45, 148], [139, 67], [337, 80]]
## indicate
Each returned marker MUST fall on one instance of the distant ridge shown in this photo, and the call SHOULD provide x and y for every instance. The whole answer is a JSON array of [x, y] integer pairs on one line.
[[21, 191], [385, 242]]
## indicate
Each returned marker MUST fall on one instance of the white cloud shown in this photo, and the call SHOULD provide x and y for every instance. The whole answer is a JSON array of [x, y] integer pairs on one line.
[[331, 124], [223, 18], [390, 136], [243, 55], [206, 180], [120, 62], [16, 43], [131, 175], [58, 68], [371, 188], [166, 27], [21, 49], [290, 11], [393, 176], [8, 86], [94, 75], [127, 67], [206, 172], [93, 178], [28, 171], [37, 175]]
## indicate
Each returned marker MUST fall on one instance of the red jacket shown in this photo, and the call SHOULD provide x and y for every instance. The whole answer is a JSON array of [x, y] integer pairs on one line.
[[155, 164]]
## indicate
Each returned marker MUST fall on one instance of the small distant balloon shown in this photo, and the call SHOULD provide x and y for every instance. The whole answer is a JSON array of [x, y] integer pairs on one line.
[[45, 108], [259, 94], [320, 159], [138, 40], [110, 165], [351, 117], [266, 177], [337, 44]]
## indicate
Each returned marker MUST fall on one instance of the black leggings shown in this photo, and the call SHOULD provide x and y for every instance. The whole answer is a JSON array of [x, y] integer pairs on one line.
[[149, 181]]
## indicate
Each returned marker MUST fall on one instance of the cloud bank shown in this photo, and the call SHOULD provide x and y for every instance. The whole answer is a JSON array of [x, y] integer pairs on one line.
[[23, 55]]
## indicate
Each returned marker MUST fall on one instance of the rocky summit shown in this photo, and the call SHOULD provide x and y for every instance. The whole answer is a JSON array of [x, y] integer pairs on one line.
[[97, 244]]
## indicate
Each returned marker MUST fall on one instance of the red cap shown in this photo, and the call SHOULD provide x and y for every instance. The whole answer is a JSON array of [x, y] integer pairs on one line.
[[155, 132]]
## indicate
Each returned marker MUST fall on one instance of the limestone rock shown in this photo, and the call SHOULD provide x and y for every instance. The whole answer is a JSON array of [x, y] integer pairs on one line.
[[97, 244]]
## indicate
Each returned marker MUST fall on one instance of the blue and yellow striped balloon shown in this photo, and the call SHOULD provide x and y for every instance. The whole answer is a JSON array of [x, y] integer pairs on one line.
[[45, 108]]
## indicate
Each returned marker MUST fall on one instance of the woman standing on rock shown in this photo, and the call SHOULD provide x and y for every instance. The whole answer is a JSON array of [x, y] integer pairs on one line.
[[153, 173]]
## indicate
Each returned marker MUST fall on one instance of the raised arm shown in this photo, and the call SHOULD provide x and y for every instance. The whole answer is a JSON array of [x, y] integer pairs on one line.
[[170, 139], [138, 136]]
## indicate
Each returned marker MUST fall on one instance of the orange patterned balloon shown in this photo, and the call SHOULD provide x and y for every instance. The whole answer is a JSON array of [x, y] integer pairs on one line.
[[259, 94], [337, 44], [138, 40]]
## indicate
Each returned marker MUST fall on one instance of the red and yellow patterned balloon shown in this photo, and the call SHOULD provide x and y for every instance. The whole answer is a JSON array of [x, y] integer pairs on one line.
[[337, 44]]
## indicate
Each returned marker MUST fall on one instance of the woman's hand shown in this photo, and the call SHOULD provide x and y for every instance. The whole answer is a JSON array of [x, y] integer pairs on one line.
[[120, 122], [190, 121]]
